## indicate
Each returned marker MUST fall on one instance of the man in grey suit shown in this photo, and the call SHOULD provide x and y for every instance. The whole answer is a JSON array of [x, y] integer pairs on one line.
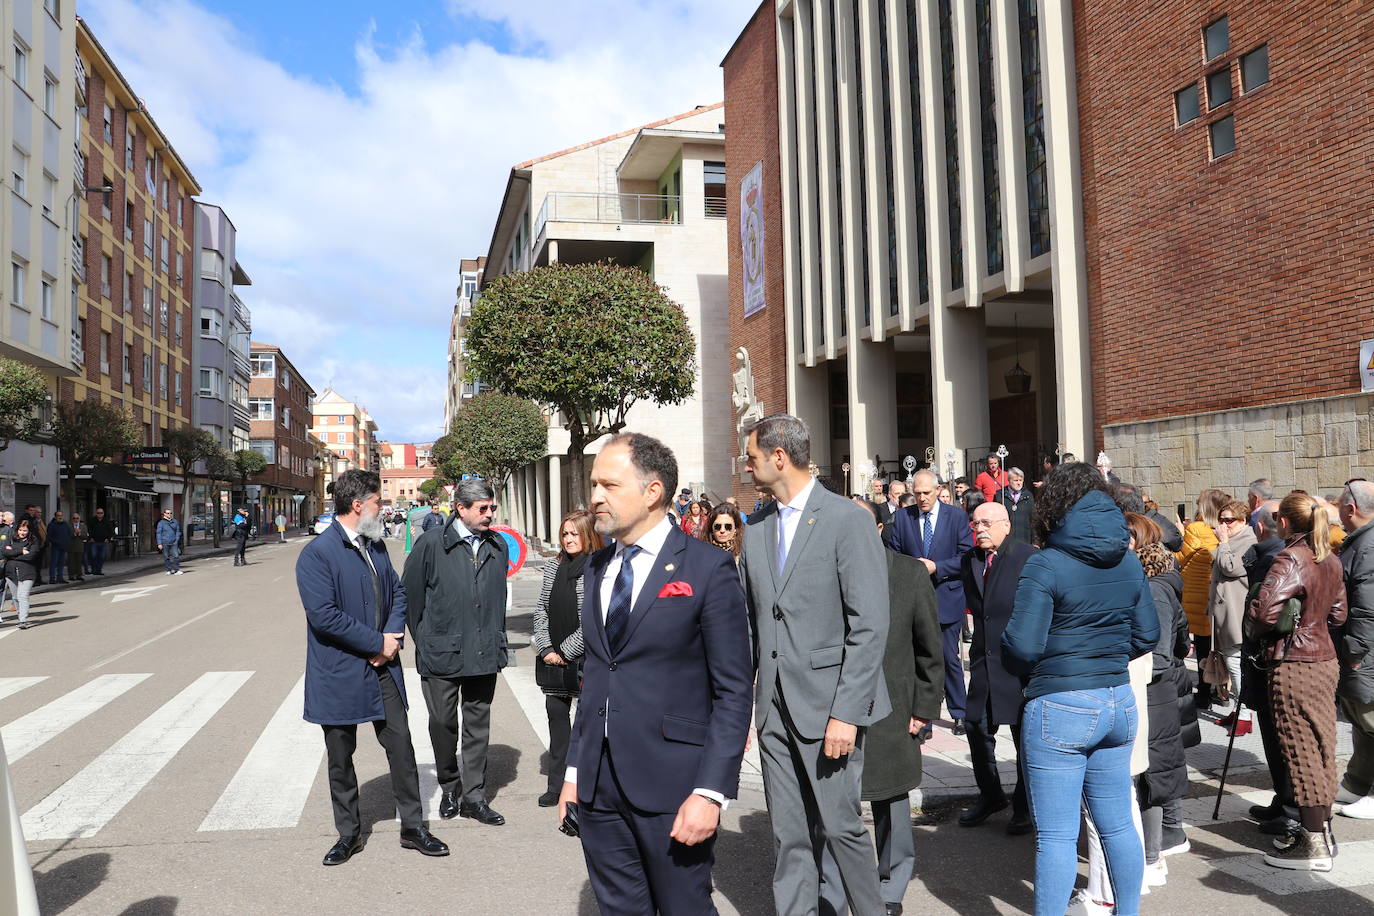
[[816, 580]]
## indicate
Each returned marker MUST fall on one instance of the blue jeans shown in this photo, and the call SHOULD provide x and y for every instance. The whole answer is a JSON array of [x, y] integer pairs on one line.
[[95, 556], [171, 556], [57, 563], [1077, 745]]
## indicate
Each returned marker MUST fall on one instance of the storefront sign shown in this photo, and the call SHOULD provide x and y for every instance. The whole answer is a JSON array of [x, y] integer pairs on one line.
[[751, 237], [1367, 365], [151, 455]]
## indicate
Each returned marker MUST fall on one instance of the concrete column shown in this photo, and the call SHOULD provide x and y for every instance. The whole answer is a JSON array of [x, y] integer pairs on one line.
[[1072, 346], [959, 381], [810, 395], [543, 523], [556, 496], [872, 402], [532, 501]]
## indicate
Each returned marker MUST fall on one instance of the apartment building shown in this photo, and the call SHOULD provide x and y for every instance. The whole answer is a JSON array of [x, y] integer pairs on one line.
[[40, 224], [279, 401], [471, 271], [652, 197], [347, 430], [405, 466], [223, 368]]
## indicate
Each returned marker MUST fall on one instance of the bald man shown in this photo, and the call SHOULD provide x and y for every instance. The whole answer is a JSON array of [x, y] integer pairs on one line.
[[990, 572]]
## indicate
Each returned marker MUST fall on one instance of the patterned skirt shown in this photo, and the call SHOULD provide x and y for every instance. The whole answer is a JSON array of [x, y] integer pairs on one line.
[[1302, 696]]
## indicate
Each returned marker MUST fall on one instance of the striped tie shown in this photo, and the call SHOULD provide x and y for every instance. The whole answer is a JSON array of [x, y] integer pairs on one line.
[[618, 611], [927, 534]]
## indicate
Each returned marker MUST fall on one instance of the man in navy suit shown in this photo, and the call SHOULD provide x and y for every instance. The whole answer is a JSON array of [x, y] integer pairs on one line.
[[938, 535], [664, 711]]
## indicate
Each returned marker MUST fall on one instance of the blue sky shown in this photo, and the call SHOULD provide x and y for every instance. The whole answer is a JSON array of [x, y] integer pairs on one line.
[[361, 148]]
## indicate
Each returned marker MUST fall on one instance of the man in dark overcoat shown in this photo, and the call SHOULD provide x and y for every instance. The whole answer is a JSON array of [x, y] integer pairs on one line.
[[914, 669], [456, 584], [990, 573], [355, 611]]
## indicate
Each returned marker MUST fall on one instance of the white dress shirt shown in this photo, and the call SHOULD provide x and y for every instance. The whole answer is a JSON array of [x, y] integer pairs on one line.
[[356, 540], [789, 515], [650, 547]]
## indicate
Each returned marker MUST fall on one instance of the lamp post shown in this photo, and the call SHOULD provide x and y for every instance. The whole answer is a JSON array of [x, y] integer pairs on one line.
[[909, 465], [1002, 454]]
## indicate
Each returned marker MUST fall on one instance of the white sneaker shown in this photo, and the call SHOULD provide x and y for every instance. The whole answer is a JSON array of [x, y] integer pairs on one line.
[[1361, 809], [1345, 797], [1156, 875], [178, 573], [1080, 904]]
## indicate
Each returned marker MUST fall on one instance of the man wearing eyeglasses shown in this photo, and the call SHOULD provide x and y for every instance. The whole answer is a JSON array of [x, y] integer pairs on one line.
[[990, 574]]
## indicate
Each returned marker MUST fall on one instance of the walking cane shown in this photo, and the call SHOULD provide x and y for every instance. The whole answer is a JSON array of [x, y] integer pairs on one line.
[[1226, 765]]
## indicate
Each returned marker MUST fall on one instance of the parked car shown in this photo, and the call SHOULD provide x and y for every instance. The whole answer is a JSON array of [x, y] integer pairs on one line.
[[321, 523]]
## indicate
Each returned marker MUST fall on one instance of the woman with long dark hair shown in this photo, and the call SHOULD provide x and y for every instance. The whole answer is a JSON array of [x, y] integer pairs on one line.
[[1302, 599], [21, 553], [725, 528], [1083, 610], [557, 639]]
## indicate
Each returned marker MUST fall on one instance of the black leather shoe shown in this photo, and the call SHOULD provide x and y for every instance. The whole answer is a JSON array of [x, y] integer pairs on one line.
[[482, 813], [548, 799], [1283, 825], [893, 909], [1266, 812], [1019, 825], [343, 850], [981, 811], [448, 805], [424, 842], [958, 728]]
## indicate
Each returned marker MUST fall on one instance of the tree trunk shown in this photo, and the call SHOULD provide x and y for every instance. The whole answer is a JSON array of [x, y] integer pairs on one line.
[[577, 491], [72, 469], [185, 511]]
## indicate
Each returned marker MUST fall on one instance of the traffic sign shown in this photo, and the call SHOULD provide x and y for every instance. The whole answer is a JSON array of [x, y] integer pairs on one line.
[[516, 549]]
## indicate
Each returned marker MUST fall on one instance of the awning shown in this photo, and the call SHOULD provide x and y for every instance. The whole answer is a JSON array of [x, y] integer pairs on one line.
[[115, 479]]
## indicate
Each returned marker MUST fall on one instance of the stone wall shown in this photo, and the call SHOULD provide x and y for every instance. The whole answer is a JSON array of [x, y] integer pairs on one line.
[[1314, 445]]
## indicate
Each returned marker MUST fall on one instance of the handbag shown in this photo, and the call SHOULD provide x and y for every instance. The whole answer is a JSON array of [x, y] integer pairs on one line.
[[1215, 672], [566, 678]]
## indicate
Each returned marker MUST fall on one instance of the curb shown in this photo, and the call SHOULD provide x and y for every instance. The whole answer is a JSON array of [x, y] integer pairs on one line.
[[152, 561]]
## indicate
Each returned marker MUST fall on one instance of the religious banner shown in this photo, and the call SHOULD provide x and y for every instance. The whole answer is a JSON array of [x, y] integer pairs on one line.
[[751, 237]]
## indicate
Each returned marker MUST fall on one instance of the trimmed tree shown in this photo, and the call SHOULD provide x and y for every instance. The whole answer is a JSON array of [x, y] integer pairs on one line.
[[23, 390], [492, 436], [188, 447], [248, 463], [88, 431], [219, 468], [590, 340]]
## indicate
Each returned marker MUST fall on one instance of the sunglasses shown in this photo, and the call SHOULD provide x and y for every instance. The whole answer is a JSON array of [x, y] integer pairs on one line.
[[1229, 521], [726, 527]]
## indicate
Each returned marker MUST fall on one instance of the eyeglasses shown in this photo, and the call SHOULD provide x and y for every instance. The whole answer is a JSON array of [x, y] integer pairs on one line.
[[1229, 521], [980, 525], [730, 526]]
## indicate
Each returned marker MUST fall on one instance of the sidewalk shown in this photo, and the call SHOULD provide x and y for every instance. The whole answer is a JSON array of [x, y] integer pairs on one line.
[[115, 569]]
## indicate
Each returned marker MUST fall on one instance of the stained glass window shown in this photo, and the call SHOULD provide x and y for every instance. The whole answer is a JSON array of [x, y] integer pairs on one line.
[[892, 302], [917, 146], [1033, 114], [952, 203], [987, 98]]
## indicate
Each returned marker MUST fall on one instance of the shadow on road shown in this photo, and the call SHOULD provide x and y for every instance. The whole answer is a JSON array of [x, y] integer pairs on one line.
[[153, 906], [43, 623], [743, 875], [64, 885], [502, 763]]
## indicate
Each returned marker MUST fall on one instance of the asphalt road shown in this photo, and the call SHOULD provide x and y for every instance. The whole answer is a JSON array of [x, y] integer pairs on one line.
[[158, 755]]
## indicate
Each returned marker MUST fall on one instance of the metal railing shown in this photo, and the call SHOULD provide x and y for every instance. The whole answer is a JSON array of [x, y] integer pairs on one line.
[[79, 258], [78, 350], [241, 314], [591, 207], [715, 208]]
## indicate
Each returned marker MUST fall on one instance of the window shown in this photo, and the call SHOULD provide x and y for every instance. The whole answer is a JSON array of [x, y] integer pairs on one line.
[[261, 408], [177, 380], [1223, 136], [340, 437], [1218, 88], [165, 199], [179, 273], [286, 457], [128, 364], [162, 316], [148, 372], [105, 182], [107, 125], [1186, 105], [340, 421], [264, 365], [286, 417], [49, 96], [162, 381], [178, 327], [147, 306], [52, 8], [21, 172], [127, 292], [150, 172], [713, 182], [148, 239], [129, 220], [211, 264], [211, 324], [181, 211], [1216, 38], [211, 383], [49, 195], [47, 301], [17, 284], [1254, 69], [129, 151], [267, 448], [104, 352], [21, 66], [106, 262], [162, 261], [286, 380]]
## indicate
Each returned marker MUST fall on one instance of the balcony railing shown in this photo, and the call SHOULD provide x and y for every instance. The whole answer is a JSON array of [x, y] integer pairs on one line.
[[715, 208], [241, 314], [242, 418], [80, 165], [78, 351], [79, 258], [590, 207], [242, 366]]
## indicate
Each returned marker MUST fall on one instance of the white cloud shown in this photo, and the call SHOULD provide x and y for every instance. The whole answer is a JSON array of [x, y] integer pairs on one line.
[[354, 209]]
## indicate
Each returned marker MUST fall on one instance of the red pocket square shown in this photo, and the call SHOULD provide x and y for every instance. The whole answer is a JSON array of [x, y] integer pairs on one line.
[[676, 590]]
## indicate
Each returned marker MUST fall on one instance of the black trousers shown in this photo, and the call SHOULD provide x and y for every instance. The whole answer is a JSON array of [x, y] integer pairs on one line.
[[559, 711], [982, 746], [239, 548], [393, 733], [442, 697], [1273, 754], [634, 865]]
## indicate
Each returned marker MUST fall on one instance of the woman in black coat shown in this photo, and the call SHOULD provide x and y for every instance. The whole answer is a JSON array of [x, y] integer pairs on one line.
[[1166, 780], [21, 567]]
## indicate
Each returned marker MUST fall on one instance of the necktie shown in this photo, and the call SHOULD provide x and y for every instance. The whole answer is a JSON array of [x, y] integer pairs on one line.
[[987, 568], [361, 543], [927, 534], [783, 513], [472, 545], [618, 611]]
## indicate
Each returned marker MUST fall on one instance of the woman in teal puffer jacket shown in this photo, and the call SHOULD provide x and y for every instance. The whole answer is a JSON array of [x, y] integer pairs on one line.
[[1083, 610]]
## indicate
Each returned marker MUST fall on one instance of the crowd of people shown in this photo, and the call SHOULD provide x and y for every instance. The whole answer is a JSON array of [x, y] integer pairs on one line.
[[841, 620], [68, 550]]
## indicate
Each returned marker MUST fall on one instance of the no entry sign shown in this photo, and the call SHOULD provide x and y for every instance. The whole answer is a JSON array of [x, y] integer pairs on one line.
[[516, 549]]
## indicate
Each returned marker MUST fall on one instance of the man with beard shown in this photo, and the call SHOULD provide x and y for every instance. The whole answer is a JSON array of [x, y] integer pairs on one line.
[[355, 610]]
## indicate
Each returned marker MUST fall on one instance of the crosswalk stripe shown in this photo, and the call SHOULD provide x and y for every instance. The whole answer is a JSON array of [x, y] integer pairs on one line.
[[520, 680], [88, 801], [418, 718], [30, 732], [271, 786], [9, 686]]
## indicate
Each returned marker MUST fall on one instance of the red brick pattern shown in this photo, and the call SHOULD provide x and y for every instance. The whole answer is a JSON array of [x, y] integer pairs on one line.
[[751, 135], [1245, 280]]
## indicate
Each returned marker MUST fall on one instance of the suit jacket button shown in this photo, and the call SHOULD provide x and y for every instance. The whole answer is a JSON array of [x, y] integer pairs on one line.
[[601, 711], [775, 654], [613, 666], [777, 613]]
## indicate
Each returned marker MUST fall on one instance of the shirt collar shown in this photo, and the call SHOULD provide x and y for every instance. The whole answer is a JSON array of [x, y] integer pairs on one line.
[[459, 528], [798, 502], [348, 532], [653, 540], [934, 510]]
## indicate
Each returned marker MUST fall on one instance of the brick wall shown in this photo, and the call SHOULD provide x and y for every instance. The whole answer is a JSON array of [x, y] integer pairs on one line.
[[751, 135], [1242, 281]]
